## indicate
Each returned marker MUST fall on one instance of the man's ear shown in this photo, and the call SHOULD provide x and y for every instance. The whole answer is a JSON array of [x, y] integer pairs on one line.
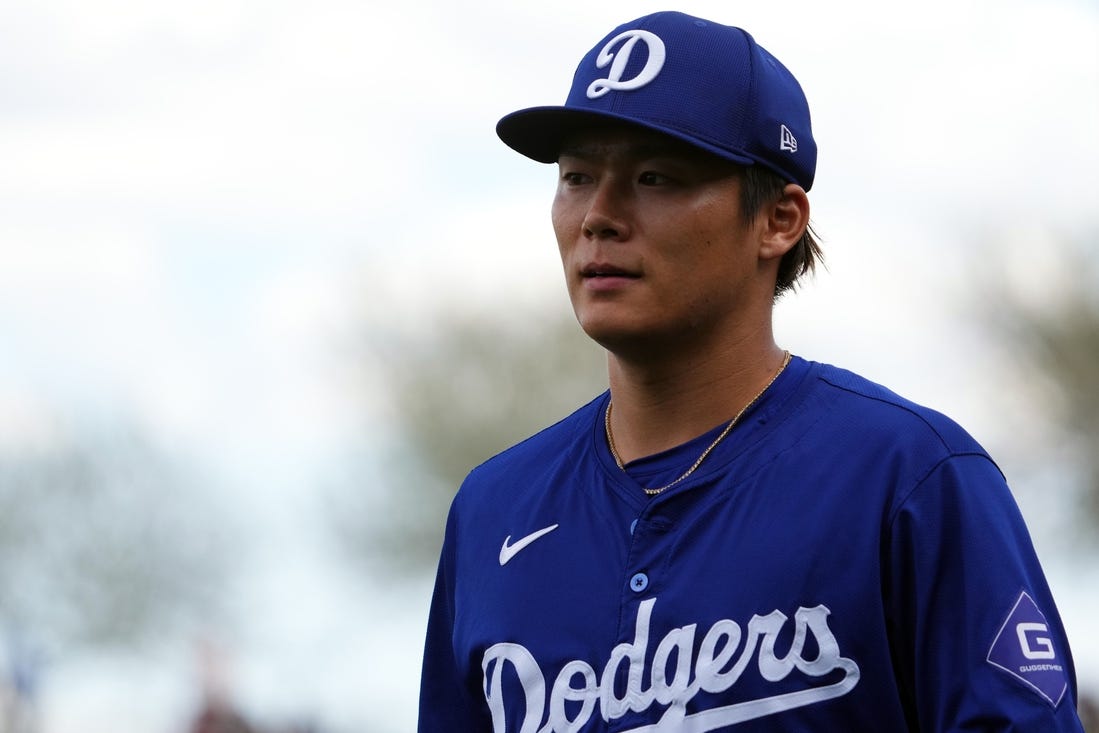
[[784, 222]]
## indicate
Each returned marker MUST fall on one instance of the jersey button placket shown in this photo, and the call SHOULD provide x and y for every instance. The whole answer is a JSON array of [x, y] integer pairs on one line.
[[648, 544]]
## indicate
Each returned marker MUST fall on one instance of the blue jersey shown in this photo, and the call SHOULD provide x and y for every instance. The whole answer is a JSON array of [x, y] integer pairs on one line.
[[844, 560]]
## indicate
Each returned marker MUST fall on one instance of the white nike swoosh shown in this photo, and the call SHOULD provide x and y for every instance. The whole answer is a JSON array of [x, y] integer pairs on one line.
[[509, 551]]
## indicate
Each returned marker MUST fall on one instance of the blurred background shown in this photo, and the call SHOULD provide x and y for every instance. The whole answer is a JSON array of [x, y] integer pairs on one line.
[[270, 285]]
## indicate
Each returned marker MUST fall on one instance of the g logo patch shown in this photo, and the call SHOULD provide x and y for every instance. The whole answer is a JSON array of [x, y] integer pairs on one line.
[[1046, 650], [1025, 648], [613, 80]]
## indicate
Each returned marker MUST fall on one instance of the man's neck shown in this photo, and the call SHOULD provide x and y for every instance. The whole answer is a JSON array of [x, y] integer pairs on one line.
[[661, 404]]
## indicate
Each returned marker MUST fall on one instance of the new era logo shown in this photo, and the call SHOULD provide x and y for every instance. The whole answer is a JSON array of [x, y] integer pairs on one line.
[[1024, 649], [787, 141]]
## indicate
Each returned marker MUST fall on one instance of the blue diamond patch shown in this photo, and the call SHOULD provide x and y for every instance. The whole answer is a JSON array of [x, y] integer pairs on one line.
[[1024, 649]]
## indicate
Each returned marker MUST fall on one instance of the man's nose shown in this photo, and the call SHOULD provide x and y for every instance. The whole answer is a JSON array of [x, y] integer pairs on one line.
[[606, 217]]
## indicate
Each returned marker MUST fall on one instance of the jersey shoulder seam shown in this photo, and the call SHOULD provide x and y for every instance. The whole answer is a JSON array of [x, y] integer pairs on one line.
[[950, 450], [893, 400]]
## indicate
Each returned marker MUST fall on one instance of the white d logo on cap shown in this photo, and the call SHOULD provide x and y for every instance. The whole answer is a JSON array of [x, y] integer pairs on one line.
[[613, 81]]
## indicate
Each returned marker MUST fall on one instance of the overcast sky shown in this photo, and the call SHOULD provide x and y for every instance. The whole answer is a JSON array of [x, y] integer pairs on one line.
[[202, 204]]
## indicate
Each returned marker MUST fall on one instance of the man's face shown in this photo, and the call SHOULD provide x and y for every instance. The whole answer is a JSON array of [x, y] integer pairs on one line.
[[655, 251]]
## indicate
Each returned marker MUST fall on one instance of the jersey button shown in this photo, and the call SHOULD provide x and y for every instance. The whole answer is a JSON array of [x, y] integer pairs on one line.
[[639, 582]]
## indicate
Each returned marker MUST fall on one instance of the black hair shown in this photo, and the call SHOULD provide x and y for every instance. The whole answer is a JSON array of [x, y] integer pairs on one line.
[[759, 188]]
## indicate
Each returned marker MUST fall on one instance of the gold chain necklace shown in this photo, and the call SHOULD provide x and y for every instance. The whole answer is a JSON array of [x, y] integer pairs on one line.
[[728, 429]]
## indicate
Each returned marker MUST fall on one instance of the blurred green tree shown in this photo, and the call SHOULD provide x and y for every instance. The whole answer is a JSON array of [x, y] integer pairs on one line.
[[1045, 311], [101, 544], [459, 393]]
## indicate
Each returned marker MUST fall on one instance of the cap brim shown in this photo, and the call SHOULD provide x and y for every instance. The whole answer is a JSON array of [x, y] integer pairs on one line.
[[538, 132]]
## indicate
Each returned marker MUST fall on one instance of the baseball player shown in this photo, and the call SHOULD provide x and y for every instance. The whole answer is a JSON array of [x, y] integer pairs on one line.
[[732, 538]]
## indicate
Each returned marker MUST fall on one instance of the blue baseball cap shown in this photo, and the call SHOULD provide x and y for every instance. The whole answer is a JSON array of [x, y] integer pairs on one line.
[[708, 84]]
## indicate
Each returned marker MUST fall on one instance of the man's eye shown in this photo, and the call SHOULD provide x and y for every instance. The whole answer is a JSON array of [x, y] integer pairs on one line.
[[573, 178], [652, 178]]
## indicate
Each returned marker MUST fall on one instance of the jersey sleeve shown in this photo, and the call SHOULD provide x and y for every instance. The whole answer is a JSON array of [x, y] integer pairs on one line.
[[976, 638], [448, 701]]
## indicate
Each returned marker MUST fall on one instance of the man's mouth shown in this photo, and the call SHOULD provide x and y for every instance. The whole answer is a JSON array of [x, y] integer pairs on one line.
[[601, 271]]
